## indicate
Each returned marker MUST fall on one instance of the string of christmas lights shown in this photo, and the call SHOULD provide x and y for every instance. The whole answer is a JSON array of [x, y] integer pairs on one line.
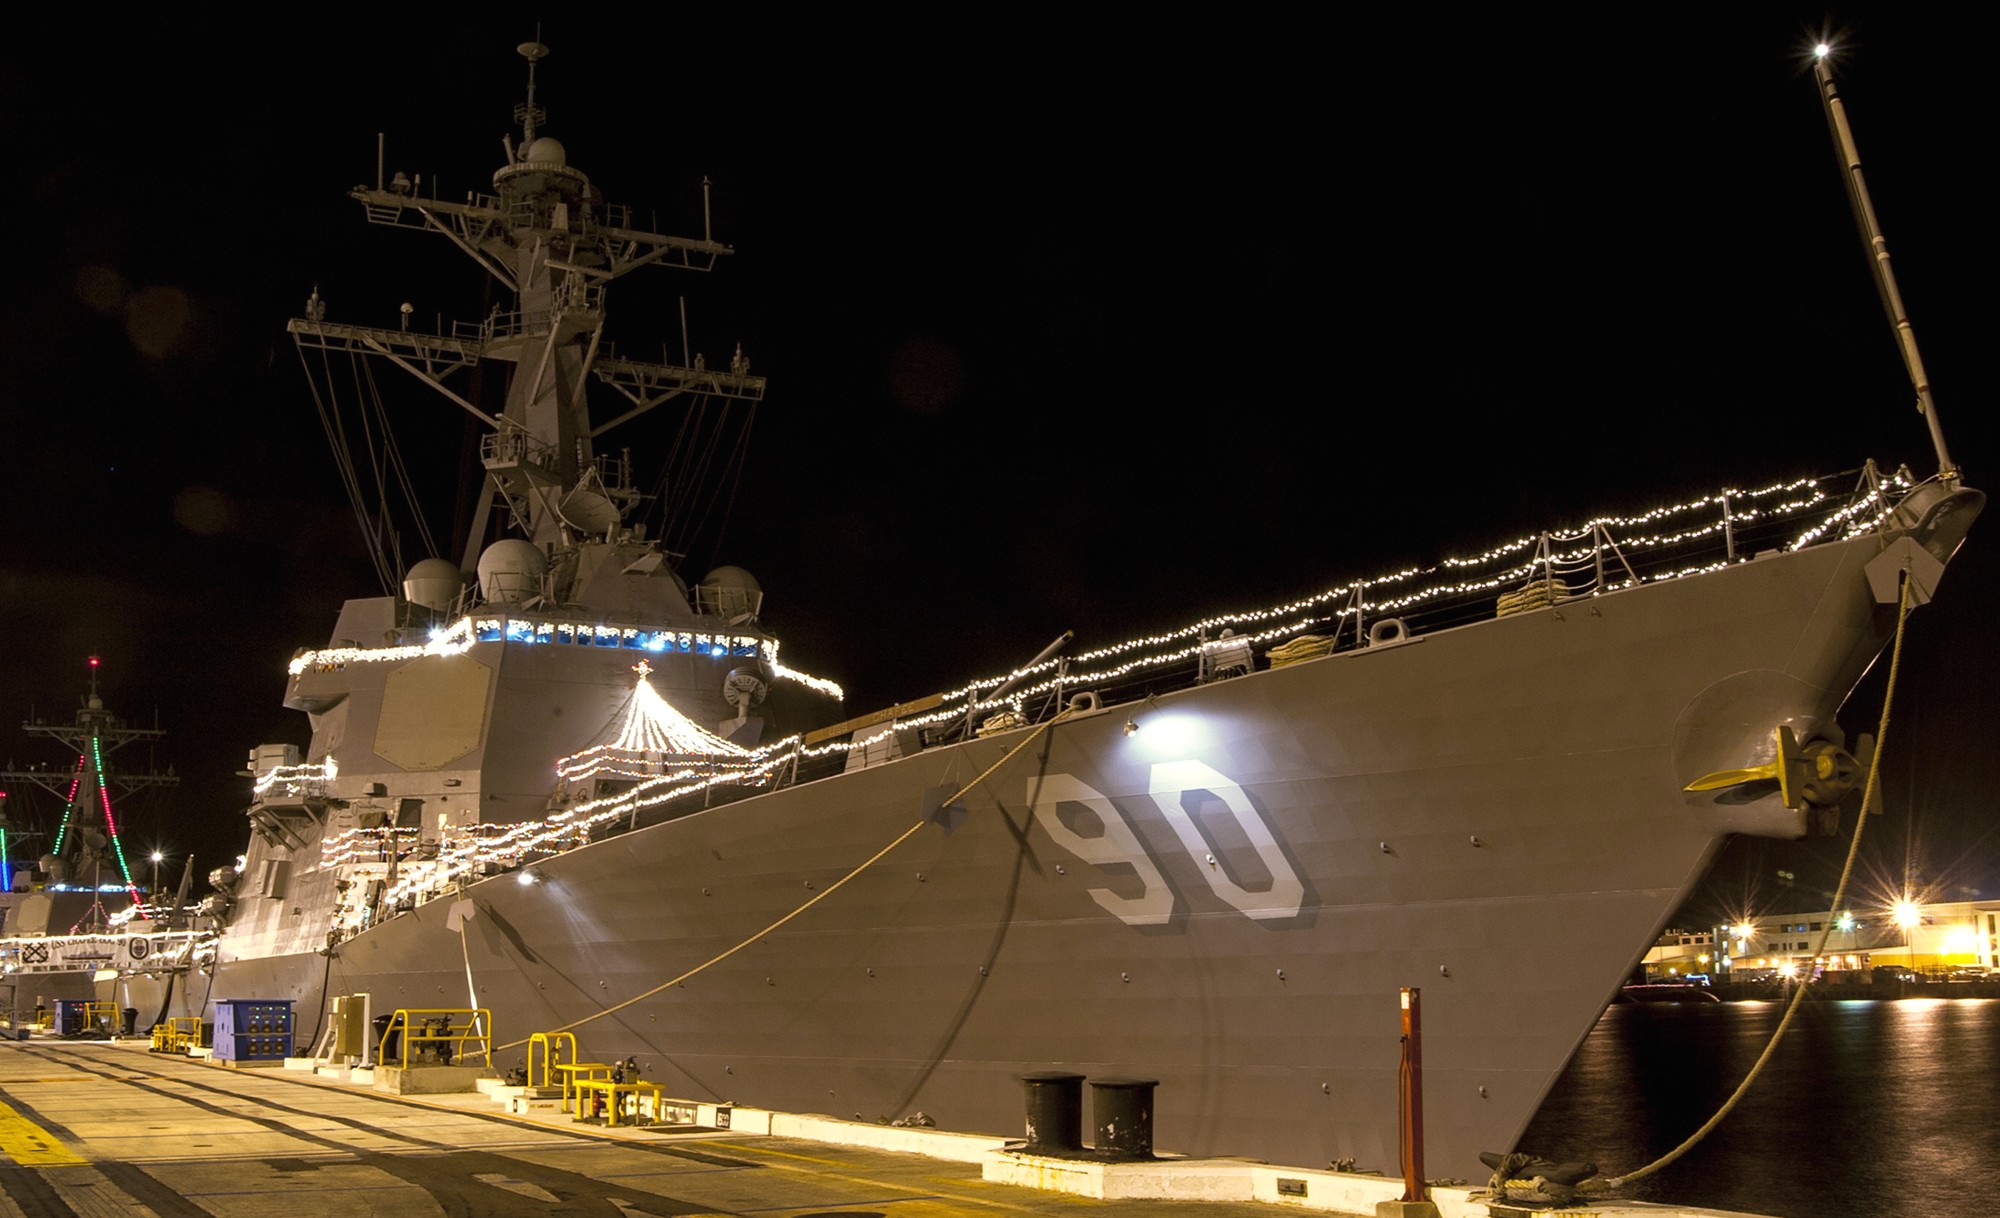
[[652, 726], [654, 737]]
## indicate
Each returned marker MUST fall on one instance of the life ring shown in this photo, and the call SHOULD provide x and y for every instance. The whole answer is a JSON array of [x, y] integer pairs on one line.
[[1388, 630], [1084, 701]]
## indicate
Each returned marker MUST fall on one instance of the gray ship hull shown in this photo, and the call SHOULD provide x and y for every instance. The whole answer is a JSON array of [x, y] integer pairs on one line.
[[1225, 896]]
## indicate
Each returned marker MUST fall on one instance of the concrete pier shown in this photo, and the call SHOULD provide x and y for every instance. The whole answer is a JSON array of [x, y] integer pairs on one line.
[[108, 1129]]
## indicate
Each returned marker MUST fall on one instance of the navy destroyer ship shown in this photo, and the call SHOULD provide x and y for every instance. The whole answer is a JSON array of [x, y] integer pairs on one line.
[[556, 777]]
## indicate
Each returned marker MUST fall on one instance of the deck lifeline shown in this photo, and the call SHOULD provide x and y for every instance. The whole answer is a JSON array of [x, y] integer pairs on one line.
[[107, 1129]]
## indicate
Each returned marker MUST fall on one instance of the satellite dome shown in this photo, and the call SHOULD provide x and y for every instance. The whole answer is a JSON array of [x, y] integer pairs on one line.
[[731, 593], [545, 151], [433, 583], [511, 571]]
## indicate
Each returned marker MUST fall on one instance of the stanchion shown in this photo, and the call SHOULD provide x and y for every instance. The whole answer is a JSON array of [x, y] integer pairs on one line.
[[1414, 1203]]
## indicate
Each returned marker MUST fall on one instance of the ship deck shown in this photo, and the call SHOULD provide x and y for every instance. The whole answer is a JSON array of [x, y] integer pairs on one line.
[[107, 1128]]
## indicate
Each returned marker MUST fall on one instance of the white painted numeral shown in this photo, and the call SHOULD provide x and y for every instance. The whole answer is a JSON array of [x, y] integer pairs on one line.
[[1171, 780], [1117, 845]]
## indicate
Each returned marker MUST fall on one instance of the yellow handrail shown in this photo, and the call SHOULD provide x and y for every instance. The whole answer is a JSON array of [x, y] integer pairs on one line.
[[416, 1025], [551, 1043]]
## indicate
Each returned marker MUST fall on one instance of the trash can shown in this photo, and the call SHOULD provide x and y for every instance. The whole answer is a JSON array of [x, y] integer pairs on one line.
[[390, 1050], [129, 1021]]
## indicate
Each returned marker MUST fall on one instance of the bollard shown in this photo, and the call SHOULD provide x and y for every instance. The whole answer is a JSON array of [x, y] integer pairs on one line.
[[1055, 1112], [1123, 1110]]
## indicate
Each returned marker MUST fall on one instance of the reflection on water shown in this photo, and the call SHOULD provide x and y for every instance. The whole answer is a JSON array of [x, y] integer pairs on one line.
[[1888, 1109]]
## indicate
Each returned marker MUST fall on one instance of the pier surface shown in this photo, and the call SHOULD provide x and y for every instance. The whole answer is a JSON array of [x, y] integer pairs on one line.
[[101, 1130], [106, 1129]]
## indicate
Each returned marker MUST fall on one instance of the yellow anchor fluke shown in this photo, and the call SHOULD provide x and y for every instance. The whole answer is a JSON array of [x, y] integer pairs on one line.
[[1820, 773], [1732, 778], [1785, 768]]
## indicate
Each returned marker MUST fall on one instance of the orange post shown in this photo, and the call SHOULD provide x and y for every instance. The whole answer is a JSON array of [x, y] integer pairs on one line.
[[1412, 1087]]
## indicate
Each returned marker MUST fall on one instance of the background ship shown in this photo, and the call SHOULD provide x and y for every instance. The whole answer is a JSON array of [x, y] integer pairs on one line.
[[1123, 793]]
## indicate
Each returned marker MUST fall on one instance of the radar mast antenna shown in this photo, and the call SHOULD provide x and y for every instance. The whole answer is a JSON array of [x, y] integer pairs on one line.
[[1878, 249], [530, 115]]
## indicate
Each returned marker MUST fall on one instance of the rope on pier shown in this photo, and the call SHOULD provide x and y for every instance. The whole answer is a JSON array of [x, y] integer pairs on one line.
[[1840, 891]]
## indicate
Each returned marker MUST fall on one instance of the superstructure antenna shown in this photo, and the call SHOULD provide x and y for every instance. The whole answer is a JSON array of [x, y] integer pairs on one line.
[[1878, 249], [530, 115]]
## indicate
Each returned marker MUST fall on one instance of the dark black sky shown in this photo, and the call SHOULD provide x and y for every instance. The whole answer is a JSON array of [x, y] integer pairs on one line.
[[1099, 329]]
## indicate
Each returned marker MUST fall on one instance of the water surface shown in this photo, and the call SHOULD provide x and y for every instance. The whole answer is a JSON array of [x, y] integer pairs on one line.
[[1869, 1108]]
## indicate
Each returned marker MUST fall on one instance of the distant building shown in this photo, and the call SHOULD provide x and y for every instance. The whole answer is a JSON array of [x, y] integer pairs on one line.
[[1922, 938]]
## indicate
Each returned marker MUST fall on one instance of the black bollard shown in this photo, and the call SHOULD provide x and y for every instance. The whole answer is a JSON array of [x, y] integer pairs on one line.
[[1055, 1112], [1123, 1112]]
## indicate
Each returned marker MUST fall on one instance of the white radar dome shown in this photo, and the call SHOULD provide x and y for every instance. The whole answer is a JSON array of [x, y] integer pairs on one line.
[[433, 583], [511, 571], [732, 594], [545, 151]]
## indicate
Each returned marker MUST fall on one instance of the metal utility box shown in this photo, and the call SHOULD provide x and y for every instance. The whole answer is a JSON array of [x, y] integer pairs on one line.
[[350, 1025], [75, 1016], [253, 1029]]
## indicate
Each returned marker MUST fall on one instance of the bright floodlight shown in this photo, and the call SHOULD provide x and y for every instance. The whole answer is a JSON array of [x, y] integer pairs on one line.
[[1907, 914], [158, 857], [1822, 51]]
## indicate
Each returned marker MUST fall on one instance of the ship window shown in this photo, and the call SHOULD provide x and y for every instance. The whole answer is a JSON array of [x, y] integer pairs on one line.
[[744, 647], [607, 636], [659, 640], [1817, 925], [520, 632], [703, 645], [565, 633], [631, 638], [545, 632], [487, 631]]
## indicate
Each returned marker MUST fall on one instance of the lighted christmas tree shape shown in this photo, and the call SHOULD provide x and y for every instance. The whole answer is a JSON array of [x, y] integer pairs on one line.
[[653, 739], [87, 793]]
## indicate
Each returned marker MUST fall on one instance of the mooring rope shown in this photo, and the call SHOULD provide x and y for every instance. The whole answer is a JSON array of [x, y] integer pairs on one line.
[[1839, 892], [828, 891]]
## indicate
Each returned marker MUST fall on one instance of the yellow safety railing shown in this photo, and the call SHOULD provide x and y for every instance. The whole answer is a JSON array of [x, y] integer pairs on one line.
[[552, 1045], [177, 1035], [438, 1026], [101, 1014]]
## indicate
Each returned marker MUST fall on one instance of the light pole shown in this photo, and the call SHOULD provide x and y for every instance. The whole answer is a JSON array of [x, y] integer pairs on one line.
[[1909, 916], [154, 891]]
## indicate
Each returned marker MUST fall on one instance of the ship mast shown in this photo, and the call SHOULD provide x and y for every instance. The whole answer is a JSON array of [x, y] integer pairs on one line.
[[85, 789], [547, 236], [1878, 248]]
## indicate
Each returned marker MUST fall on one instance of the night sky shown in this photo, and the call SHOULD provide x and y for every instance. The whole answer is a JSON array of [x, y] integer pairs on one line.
[[1094, 329]]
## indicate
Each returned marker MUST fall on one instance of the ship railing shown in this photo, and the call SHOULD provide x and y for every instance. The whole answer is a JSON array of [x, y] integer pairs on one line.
[[1545, 569], [518, 323], [614, 472], [436, 1028], [512, 445]]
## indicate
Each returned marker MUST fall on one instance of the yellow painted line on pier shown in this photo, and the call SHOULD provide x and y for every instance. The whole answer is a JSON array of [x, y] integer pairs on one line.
[[32, 1146], [730, 1148]]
